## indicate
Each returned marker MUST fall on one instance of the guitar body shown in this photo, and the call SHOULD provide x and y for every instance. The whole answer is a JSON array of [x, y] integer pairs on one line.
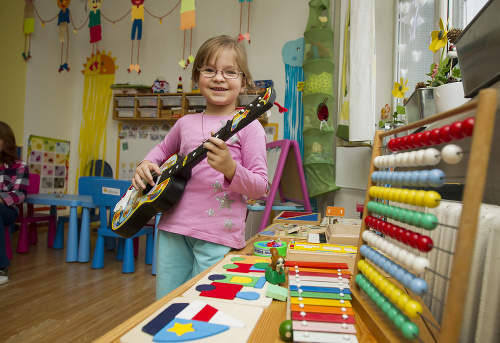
[[137, 207]]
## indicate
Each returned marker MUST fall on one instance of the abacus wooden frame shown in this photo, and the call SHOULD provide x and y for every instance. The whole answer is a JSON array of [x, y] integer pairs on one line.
[[384, 331]]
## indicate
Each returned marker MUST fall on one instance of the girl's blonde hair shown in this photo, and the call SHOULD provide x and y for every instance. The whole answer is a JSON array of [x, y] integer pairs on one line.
[[214, 46]]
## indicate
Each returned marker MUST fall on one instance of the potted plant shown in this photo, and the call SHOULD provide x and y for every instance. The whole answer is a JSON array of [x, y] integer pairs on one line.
[[446, 75]]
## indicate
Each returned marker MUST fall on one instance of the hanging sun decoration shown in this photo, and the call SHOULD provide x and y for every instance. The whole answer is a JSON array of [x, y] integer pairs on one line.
[[99, 74]]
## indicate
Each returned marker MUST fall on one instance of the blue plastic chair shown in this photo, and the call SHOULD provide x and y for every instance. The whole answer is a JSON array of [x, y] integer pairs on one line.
[[84, 183], [103, 195]]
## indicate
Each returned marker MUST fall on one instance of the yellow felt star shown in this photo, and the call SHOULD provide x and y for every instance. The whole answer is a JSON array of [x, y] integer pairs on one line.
[[181, 329], [400, 89], [439, 38]]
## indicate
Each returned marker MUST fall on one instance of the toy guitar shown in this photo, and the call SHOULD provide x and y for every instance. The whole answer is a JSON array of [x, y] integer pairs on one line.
[[137, 207]]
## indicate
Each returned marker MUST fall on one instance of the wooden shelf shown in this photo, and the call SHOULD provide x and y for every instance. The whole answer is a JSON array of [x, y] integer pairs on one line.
[[164, 107]]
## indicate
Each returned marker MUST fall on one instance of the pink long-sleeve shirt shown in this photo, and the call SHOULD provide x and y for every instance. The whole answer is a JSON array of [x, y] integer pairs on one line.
[[212, 208]]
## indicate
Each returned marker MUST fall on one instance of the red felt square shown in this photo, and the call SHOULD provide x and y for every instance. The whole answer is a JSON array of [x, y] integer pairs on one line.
[[222, 291], [242, 268]]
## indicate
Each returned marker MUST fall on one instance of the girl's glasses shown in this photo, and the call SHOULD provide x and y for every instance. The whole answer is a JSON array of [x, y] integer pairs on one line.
[[229, 73]]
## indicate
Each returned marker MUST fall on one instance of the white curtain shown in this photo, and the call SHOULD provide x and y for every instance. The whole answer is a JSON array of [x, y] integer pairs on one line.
[[357, 79]]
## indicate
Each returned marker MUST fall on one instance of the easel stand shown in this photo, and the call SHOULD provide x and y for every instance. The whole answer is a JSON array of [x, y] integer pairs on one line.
[[382, 328], [288, 183]]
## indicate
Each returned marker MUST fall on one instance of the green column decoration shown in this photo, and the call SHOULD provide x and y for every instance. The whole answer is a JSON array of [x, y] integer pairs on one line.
[[318, 100]]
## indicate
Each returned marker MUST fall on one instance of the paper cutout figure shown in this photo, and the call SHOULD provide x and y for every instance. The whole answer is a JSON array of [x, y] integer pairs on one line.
[[137, 17], [28, 27], [246, 36], [63, 19], [188, 16], [95, 23]]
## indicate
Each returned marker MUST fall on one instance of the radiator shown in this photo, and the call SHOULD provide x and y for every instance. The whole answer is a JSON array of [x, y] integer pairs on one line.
[[482, 301]]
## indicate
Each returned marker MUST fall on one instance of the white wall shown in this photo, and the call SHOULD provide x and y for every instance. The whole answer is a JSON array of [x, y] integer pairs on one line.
[[54, 100]]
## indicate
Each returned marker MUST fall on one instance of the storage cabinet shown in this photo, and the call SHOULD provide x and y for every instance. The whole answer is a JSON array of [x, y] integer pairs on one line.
[[160, 107]]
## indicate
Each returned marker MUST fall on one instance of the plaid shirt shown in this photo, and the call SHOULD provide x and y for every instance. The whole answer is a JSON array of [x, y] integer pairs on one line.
[[14, 183]]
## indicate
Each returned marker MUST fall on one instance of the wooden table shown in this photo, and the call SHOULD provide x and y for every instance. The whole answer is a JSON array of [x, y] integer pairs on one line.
[[267, 329]]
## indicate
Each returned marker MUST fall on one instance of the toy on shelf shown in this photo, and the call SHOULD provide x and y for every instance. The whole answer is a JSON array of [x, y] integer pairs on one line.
[[234, 288], [312, 252], [190, 320], [253, 265], [320, 307], [263, 248], [297, 232], [275, 272], [298, 218]]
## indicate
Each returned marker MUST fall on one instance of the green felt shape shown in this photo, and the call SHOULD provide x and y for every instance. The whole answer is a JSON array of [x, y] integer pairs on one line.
[[237, 258], [261, 265], [249, 281], [230, 266]]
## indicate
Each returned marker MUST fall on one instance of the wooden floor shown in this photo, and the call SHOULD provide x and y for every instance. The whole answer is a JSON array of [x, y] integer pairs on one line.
[[50, 300]]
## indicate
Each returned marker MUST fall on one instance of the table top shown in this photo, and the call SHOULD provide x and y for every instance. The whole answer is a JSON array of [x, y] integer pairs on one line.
[[60, 199], [266, 330]]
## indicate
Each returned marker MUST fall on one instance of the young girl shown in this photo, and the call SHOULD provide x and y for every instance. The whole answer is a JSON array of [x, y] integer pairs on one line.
[[14, 176], [209, 218]]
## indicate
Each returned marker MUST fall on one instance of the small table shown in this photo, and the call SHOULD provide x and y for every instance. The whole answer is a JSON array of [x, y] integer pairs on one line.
[[76, 249]]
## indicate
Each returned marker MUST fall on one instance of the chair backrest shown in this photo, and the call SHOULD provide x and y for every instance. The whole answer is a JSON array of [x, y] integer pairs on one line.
[[107, 191], [34, 183], [85, 183]]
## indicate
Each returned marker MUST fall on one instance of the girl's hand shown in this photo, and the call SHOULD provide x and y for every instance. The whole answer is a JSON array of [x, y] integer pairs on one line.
[[219, 157], [143, 174]]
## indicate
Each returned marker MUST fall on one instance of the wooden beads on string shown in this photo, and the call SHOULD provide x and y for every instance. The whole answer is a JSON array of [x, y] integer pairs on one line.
[[426, 221], [418, 178], [447, 133], [406, 196]]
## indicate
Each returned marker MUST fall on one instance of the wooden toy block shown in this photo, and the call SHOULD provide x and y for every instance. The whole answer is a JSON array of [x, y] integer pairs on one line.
[[298, 218], [277, 292], [239, 319], [310, 252]]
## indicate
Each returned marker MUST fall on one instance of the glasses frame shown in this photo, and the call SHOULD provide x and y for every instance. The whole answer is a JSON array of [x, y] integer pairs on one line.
[[222, 72]]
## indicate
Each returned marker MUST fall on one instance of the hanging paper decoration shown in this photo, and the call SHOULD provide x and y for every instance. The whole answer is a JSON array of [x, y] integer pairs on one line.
[[293, 57], [28, 27], [137, 17], [188, 16], [246, 36], [63, 19], [95, 23], [97, 96]]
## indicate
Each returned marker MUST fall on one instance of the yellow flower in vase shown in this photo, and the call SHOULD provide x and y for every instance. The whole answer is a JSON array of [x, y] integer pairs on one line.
[[400, 89], [439, 38]]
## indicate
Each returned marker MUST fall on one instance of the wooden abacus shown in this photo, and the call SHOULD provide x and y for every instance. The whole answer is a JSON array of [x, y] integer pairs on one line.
[[448, 331]]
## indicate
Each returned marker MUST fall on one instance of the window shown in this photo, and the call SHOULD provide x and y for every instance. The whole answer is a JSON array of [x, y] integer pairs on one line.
[[416, 19]]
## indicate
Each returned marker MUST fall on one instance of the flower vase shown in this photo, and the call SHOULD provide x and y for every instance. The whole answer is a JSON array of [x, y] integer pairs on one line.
[[449, 96]]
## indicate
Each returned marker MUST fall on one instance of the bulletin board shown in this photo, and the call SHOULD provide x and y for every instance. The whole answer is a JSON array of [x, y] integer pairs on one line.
[[49, 157], [134, 142], [271, 130]]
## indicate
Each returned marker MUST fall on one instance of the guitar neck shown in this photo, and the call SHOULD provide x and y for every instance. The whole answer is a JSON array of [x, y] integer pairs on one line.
[[254, 110]]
